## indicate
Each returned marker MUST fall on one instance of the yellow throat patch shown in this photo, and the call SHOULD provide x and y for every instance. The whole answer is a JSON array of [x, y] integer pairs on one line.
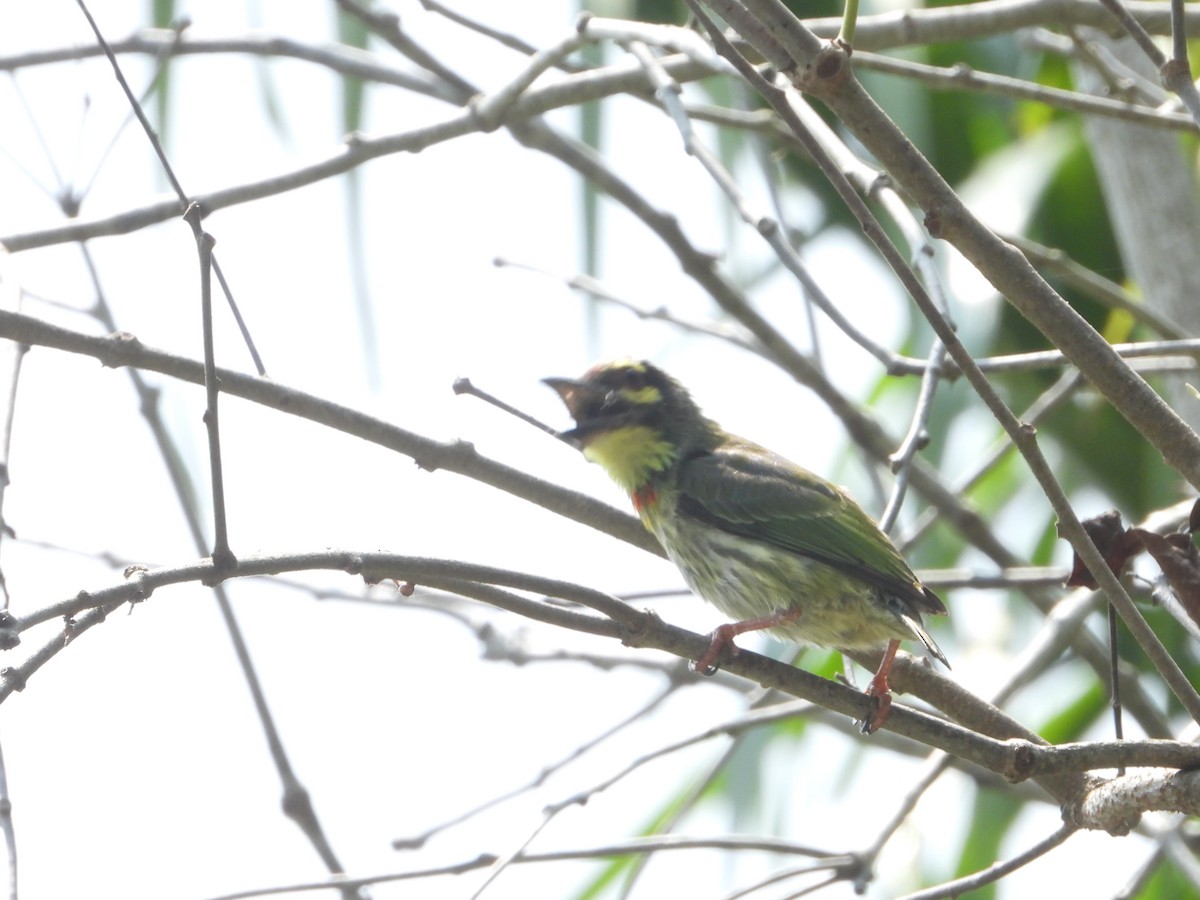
[[630, 455]]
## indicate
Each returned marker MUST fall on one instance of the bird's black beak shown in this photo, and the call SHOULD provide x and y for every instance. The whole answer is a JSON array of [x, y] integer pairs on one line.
[[574, 393], [585, 402]]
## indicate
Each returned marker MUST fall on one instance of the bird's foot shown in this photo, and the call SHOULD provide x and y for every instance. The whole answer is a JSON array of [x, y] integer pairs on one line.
[[880, 691], [722, 637], [720, 641]]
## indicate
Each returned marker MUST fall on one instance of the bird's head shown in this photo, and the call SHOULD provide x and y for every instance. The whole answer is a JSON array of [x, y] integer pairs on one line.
[[633, 419]]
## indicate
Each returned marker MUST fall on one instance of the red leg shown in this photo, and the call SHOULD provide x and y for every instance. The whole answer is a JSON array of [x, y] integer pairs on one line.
[[722, 637], [880, 691]]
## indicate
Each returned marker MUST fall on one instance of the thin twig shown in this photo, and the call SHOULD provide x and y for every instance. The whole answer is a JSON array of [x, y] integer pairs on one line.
[[1097, 287], [1179, 36], [504, 39], [871, 182], [1119, 77], [994, 873], [640, 846], [184, 201], [595, 288], [849, 23], [466, 386], [824, 71], [1175, 73], [9, 832], [917, 437], [935, 765], [840, 868], [122, 349], [1048, 402], [961, 77], [496, 869], [147, 128], [1020, 756], [1023, 436], [546, 771], [296, 801], [668, 93], [221, 554], [493, 109], [359, 149], [1050, 359]]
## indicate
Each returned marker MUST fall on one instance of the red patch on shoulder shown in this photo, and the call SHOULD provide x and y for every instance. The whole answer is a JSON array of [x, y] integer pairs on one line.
[[644, 497]]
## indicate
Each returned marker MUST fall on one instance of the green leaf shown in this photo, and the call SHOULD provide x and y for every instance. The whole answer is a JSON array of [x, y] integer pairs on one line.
[[993, 817], [1166, 883], [353, 33], [1071, 721], [630, 863], [162, 15]]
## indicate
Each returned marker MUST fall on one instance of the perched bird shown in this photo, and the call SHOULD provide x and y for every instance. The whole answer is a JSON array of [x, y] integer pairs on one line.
[[768, 543]]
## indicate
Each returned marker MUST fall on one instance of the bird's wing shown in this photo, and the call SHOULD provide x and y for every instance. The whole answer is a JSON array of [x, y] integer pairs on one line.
[[749, 491]]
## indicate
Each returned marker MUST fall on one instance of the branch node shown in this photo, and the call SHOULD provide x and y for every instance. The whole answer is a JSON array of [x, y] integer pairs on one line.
[[486, 112], [647, 622], [829, 68], [1021, 763], [1174, 71], [193, 215], [10, 630], [223, 564], [14, 676], [933, 223]]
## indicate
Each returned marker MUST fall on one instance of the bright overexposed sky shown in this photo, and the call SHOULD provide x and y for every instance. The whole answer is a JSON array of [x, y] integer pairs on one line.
[[134, 761]]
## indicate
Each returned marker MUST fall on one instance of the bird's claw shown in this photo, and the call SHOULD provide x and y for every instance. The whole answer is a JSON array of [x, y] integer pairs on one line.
[[881, 706], [720, 641], [880, 693]]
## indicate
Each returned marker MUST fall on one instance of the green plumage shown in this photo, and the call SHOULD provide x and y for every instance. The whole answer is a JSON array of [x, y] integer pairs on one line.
[[752, 533]]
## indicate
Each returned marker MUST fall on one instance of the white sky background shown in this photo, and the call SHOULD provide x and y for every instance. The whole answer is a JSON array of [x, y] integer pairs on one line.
[[135, 763]]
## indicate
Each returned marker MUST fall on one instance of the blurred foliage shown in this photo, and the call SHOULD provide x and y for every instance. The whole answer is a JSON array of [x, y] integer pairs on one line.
[[991, 819], [964, 127], [1166, 883], [1075, 716], [672, 12], [1091, 446], [353, 32], [625, 868], [162, 15]]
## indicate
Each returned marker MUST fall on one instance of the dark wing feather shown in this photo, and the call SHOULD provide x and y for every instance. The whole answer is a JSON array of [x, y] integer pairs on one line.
[[747, 490]]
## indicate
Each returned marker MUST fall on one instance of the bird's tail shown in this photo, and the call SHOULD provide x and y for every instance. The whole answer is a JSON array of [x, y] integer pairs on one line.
[[918, 630]]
